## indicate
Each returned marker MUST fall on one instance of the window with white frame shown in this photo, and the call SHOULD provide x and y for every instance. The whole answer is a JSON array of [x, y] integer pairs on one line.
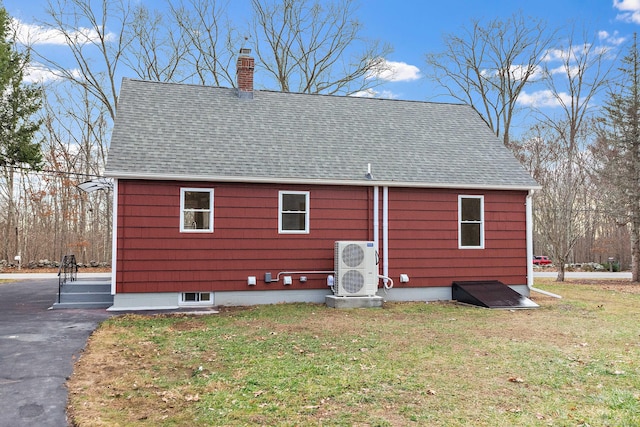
[[196, 298], [293, 212], [471, 222], [196, 210]]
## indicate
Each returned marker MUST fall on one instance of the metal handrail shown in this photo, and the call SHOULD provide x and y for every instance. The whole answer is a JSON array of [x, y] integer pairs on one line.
[[67, 271]]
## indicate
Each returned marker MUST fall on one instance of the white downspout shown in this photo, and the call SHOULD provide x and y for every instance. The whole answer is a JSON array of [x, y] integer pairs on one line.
[[385, 232], [529, 228], [376, 217], [529, 214], [114, 236]]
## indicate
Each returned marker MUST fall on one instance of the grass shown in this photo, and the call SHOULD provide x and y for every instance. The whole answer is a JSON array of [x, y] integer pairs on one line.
[[573, 362]]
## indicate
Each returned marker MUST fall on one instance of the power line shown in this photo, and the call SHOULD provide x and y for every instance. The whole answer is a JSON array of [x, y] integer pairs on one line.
[[53, 172]]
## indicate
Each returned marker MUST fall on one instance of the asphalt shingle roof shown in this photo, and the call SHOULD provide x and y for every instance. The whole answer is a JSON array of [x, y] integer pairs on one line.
[[174, 131]]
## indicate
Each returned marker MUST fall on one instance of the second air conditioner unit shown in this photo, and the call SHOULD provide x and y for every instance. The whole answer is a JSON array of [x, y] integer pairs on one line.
[[355, 268]]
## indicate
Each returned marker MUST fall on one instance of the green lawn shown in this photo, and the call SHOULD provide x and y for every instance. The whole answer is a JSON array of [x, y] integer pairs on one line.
[[572, 362]]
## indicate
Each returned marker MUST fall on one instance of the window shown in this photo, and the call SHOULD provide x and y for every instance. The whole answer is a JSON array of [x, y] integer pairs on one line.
[[196, 298], [196, 210], [471, 222], [293, 212]]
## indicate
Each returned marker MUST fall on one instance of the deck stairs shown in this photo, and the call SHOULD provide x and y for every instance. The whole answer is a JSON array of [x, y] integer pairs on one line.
[[85, 293]]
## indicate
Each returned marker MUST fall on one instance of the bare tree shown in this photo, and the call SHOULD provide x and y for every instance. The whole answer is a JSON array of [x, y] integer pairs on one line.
[[489, 65], [582, 74], [80, 111], [19, 103], [88, 29], [315, 47], [158, 48], [618, 152], [51, 215], [212, 41], [562, 205], [75, 128]]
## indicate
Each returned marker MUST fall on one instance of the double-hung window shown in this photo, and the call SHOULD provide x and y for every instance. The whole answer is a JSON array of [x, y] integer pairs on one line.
[[196, 210], [471, 222], [293, 212]]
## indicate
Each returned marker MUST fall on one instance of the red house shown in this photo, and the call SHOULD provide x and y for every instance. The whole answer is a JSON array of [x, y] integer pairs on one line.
[[235, 197]]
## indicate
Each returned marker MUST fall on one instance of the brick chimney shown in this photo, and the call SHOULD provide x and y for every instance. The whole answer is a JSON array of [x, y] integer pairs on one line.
[[244, 71]]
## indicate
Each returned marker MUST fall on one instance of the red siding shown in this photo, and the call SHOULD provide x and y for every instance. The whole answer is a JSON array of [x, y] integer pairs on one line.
[[153, 256], [423, 238]]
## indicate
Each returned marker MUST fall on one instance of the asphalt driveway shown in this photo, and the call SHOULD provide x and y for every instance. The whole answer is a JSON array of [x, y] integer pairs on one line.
[[38, 347]]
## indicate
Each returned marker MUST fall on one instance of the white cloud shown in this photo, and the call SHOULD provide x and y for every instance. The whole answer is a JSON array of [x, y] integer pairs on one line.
[[397, 71], [570, 53], [630, 10], [562, 70], [38, 73], [372, 93], [520, 72], [613, 39], [516, 73], [31, 34], [367, 93], [542, 98], [580, 51], [627, 5], [554, 55]]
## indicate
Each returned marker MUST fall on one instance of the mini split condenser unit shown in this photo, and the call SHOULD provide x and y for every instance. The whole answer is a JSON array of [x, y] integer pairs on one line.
[[356, 271]]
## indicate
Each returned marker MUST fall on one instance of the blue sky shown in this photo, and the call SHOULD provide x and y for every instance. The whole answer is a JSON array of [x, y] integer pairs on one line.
[[415, 27]]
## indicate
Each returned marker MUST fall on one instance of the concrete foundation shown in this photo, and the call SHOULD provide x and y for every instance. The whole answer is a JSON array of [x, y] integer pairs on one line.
[[170, 300], [353, 302]]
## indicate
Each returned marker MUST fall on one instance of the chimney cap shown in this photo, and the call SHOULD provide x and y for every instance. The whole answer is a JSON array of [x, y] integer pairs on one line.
[[245, 51]]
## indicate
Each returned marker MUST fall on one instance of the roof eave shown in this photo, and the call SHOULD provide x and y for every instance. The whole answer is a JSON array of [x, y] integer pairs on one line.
[[298, 181]]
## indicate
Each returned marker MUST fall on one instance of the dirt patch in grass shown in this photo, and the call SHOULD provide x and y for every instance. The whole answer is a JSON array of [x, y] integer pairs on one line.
[[188, 325], [574, 361]]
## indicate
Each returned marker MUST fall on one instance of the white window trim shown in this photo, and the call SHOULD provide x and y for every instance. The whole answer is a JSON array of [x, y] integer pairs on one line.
[[306, 212], [182, 302], [191, 230], [481, 222]]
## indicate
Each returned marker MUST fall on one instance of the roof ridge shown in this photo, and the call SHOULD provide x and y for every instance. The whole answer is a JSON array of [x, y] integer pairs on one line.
[[297, 93]]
